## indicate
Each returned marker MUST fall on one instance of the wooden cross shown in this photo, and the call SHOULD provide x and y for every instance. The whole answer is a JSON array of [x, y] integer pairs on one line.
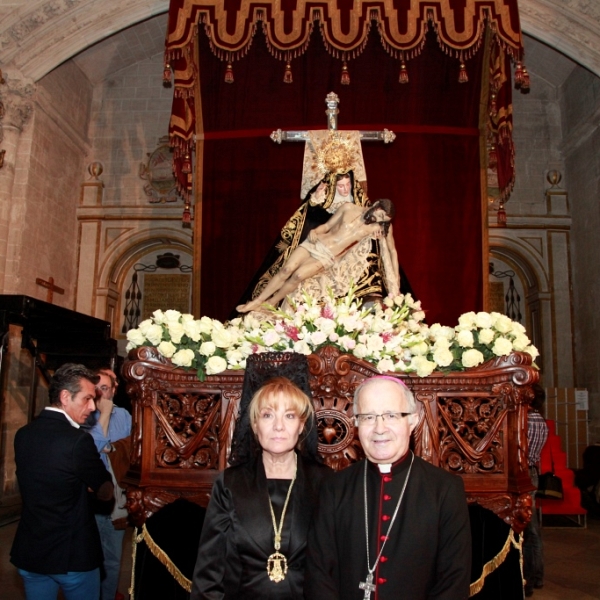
[[332, 100], [49, 285]]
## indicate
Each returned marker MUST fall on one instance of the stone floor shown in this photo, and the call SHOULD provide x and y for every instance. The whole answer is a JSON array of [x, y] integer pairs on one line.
[[572, 558]]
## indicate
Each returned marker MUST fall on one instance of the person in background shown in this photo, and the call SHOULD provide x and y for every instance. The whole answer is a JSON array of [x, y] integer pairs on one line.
[[533, 551], [57, 544], [109, 424]]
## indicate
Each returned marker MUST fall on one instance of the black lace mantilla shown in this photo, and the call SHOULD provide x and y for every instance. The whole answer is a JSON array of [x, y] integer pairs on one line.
[[259, 369]]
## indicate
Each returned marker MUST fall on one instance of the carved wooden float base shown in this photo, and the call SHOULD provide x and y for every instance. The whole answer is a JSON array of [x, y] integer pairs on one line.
[[473, 423]]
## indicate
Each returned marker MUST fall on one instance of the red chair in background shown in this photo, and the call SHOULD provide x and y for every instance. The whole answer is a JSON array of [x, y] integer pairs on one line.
[[553, 459]]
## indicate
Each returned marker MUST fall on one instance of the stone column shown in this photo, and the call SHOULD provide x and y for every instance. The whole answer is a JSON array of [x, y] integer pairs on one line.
[[15, 110]]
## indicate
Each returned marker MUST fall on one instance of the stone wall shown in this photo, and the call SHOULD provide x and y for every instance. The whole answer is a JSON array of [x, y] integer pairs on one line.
[[51, 151], [130, 117], [580, 101]]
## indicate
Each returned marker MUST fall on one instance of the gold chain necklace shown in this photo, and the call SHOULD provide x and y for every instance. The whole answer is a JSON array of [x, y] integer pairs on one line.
[[277, 562]]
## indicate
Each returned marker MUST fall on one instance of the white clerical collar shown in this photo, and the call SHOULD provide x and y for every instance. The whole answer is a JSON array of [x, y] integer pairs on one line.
[[387, 468], [60, 410]]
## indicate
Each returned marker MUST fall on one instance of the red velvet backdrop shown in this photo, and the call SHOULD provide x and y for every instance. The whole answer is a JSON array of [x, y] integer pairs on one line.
[[431, 171]]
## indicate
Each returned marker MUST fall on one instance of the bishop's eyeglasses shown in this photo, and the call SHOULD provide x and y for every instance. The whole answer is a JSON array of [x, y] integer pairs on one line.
[[390, 417]]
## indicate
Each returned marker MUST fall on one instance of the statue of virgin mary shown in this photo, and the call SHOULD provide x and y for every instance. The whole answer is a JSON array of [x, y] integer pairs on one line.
[[333, 174]]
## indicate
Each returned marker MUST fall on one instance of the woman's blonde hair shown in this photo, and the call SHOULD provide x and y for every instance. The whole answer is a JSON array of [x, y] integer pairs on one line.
[[277, 387]]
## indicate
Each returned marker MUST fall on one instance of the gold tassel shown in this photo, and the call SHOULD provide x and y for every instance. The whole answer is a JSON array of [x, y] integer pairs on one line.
[[186, 166], [229, 73], [495, 562], [162, 556], [493, 105], [403, 73], [287, 76], [462, 74], [501, 215], [167, 75], [519, 75], [345, 74], [186, 218], [526, 81]]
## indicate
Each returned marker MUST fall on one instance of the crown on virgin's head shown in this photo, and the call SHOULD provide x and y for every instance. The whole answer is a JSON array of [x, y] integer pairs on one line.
[[336, 154]]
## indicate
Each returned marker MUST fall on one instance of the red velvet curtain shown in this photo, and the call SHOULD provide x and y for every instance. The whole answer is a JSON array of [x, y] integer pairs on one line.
[[431, 171]]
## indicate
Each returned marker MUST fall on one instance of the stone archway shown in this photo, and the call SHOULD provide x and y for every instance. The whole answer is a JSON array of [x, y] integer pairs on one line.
[[112, 280]]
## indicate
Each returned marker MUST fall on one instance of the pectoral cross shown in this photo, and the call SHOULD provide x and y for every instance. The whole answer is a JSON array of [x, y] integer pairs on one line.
[[49, 285], [332, 100], [368, 586]]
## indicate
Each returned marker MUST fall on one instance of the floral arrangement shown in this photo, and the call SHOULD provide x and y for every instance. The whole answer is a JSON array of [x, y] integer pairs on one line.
[[391, 336]]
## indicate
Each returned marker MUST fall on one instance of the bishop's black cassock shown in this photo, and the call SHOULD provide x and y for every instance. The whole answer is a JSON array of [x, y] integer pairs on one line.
[[428, 551]]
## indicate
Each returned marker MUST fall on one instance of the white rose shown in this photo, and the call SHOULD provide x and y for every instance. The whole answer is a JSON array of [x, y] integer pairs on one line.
[[221, 338], [270, 337], [206, 325], [347, 343], [176, 331], [385, 365], [483, 320], [520, 342], [533, 351], [419, 349], [350, 322], [441, 343], [517, 328], [327, 326], [215, 364], [154, 334], [503, 324], [172, 316], [467, 320], [130, 346], [192, 329], [234, 357], [399, 300], [301, 347], [418, 315], [443, 357], [167, 349], [333, 337], [143, 326], [502, 347], [318, 338], [486, 336], [374, 343], [422, 366], [472, 358], [360, 351], [388, 301], [135, 337], [159, 317], [414, 326], [183, 358], [207, 348], [465, 338]]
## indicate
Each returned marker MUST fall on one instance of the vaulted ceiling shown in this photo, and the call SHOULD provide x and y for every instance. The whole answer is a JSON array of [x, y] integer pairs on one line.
[[38, 35]]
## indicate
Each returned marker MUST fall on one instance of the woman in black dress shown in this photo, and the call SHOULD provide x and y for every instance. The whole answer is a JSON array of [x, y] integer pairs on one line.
[[254, 536]]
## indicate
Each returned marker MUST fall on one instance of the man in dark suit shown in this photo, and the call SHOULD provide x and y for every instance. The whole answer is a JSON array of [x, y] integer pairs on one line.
[[57, 544]]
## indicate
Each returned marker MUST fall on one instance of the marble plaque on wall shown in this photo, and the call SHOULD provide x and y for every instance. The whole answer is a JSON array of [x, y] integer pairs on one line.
[[166, 291]]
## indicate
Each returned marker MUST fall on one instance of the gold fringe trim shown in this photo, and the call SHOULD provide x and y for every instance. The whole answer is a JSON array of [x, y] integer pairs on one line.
[[159, 554], [495, 562]]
